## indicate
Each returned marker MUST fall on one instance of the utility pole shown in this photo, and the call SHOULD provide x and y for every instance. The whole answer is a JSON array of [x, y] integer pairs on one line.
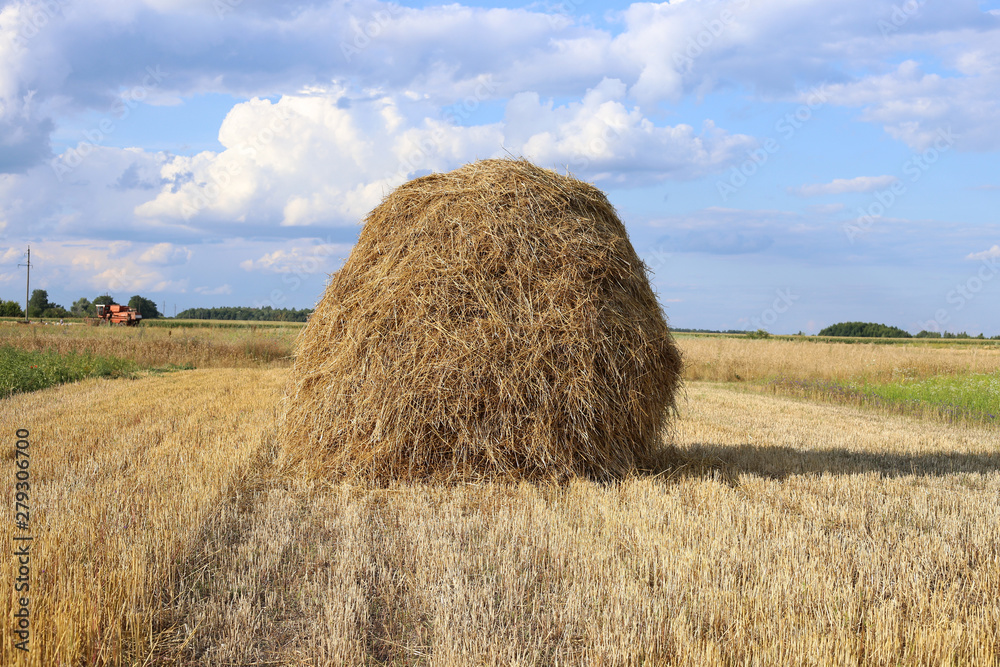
[[27, 284]]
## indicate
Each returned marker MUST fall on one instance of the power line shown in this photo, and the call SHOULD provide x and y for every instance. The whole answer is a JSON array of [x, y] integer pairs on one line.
[[27, 284]]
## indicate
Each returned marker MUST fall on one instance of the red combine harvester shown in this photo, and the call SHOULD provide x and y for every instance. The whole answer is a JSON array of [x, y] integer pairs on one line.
[[115, 314]]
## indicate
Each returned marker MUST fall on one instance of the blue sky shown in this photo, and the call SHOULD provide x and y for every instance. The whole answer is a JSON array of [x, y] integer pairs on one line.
[[780, 164]]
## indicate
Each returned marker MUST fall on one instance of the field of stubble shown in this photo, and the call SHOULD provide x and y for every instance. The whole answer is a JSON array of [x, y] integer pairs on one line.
[[790, 532]]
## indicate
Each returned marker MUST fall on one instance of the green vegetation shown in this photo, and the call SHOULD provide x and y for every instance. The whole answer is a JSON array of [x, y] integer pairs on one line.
[[82, 307], [974, 394], [145, 307], [40, 306], [758, 334], [30, 370], [948, 334], [267, 313], [10, 309], [864, 330], [970, 397]]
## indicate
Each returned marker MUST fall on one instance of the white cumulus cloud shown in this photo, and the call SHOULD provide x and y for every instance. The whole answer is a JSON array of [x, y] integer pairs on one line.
[[166, 254], [603, 138], [299, 259], [992, 253], [214, 291], [327, 159], [839, 186]]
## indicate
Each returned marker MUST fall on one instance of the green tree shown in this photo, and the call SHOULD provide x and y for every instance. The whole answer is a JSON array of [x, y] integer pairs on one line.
[[38, 303], [864, 330], [83, 308], [10, 309], [146, 307], [759, 333], [55, 310], [251, 314], [104, 300]]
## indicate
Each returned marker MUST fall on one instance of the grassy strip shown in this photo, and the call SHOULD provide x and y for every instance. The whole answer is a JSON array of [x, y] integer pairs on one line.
[[157, 347], [970, 398], [975, 393], [221, 324], [31, 370]]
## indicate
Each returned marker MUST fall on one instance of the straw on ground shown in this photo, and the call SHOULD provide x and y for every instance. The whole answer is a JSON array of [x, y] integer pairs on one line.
[[797, 534]]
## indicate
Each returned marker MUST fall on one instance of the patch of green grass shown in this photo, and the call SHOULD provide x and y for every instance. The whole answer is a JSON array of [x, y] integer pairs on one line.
[[30, 370], [973, 397], [973, 394]]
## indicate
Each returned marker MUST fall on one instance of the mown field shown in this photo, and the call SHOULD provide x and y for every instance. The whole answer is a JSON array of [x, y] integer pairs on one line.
[[796, 524]]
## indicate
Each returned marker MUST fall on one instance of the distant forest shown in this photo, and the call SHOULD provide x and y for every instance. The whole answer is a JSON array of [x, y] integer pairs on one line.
[[864, 330], [265, 314]]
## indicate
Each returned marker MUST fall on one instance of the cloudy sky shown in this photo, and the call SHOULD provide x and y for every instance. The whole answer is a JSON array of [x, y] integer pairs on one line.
[[780, 164]]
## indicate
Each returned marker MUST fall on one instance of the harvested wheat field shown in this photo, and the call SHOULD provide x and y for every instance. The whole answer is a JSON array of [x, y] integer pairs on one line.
[[493, 321], [795, 533]]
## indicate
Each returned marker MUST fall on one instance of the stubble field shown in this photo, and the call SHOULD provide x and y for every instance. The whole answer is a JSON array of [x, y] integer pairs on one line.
[[788, 529]]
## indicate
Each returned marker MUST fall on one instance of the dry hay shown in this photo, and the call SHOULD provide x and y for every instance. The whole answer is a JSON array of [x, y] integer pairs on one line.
[[494, 321]]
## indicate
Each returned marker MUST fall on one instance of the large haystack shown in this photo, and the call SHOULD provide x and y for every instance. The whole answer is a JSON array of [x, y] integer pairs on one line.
[[491, 321]]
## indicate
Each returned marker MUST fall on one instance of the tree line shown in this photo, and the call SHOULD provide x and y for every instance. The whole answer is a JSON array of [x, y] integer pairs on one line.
[[873, 330], [39, 306], [265, 314], [864, 330]]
